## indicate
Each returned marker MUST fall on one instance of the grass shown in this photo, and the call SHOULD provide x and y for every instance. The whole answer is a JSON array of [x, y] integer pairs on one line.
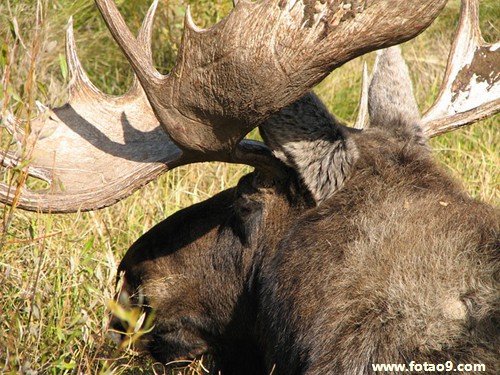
[[57, 272]]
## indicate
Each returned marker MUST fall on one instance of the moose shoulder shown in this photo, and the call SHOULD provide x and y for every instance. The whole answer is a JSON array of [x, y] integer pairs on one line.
[[398, 265]]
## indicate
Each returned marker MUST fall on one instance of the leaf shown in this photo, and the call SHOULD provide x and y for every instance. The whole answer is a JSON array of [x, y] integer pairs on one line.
[[63, 65], [43, 89], [3, 56], [13, 95], [117, 310], [31, 231], [63, 365], [13, 27]]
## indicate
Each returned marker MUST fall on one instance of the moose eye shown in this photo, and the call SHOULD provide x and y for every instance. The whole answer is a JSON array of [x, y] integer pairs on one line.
[[245, 211], [248, 216], [246, 207]]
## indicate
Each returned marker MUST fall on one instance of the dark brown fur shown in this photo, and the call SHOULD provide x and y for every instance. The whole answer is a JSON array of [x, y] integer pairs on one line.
[[398, 266], [196, 270], [367, 253]]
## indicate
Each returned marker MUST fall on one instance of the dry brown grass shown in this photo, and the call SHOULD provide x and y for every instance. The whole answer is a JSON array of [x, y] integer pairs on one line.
[[57, 272]]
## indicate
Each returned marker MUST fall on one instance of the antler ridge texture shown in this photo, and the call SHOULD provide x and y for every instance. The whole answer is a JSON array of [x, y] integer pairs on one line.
[[227, 80]]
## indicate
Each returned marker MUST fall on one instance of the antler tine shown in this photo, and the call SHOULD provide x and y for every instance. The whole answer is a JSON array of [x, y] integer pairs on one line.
[[80, 85], [362, 119], [96, 149], [471, 85], [137, 56], [215, 94], [145, 38], [146, 32], [227, 80]]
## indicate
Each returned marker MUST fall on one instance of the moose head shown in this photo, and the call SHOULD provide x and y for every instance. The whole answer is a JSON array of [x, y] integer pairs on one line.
[[295, 268]]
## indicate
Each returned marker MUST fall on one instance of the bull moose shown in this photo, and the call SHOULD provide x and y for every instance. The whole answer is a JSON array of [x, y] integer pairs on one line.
[[346, 247]]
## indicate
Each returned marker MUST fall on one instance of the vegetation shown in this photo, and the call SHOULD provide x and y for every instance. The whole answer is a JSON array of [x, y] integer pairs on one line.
[[57, 272]]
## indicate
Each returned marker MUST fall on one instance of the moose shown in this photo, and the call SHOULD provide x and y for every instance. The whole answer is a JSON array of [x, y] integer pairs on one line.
[[346, 247]]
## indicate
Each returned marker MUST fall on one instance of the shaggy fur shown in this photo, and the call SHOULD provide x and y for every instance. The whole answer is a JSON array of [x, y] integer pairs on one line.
[[196, 271], [398, 265], [388, 261], [318, 148]]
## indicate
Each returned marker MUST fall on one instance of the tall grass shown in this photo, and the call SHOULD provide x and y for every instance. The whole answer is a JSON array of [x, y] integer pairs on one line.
[[57, 272]]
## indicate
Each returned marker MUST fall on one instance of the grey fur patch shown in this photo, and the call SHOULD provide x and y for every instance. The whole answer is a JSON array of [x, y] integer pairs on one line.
[[307, 137]]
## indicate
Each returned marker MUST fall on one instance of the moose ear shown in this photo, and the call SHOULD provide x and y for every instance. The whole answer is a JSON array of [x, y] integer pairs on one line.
[[306, 137], [391, 102]]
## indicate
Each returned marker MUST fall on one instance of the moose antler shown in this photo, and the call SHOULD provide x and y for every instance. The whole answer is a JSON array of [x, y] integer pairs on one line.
[[228, 79], [471, 84], [94, 150]]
